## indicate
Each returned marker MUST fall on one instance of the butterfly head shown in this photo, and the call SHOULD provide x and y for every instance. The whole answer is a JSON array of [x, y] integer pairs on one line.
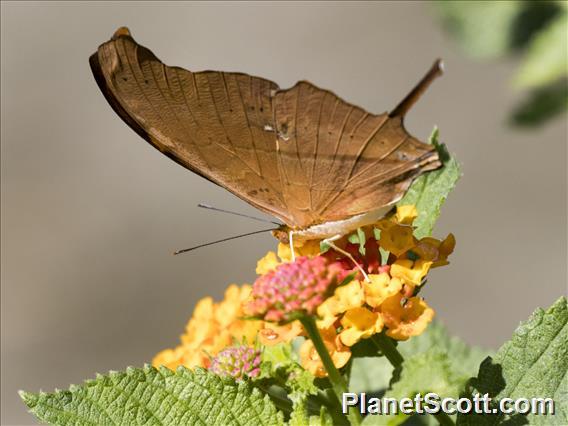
[[282, 234]]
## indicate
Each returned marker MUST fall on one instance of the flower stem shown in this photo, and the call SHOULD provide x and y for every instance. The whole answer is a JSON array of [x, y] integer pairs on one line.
[[389, 350], [387, 347], [337, 381], [277, 395]]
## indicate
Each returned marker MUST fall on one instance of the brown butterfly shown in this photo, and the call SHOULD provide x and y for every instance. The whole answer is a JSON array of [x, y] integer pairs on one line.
[[321, 165]]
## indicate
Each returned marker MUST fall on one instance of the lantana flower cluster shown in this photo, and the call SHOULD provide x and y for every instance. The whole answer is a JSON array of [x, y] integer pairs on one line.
[[296, 288], [362, 308], [212, 328], [239, 362], [347, 305]]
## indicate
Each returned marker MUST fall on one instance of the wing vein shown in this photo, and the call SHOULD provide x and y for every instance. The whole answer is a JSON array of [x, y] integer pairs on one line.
[[342, 190], [219, 119], [365, 144], [252, 140], [192, 115], [381, 158], [315, 154], [296, 132], [140, 87], [339, 137]]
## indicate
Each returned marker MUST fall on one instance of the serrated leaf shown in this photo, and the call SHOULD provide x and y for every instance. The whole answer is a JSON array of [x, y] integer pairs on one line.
[[547, 56], [464, 358], [301, 416], [533, 364], [429, 371], [154, 397], [429, 191], [280, 366]]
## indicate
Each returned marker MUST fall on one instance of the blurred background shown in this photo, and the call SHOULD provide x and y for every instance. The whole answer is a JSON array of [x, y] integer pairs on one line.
[[91, 213]]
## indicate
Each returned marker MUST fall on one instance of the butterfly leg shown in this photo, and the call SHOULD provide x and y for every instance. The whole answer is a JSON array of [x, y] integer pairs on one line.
[[329, 242], [291, 245]]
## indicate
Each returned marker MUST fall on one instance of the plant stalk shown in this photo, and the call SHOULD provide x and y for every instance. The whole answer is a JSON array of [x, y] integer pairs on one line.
[[337, 381], [389, 350]]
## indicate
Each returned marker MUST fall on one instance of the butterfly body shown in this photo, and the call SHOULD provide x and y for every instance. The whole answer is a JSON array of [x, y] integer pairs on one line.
[[326, 230], [303, 155]]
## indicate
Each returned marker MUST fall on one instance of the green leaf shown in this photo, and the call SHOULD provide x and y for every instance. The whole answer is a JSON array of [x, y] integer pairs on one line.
[[301, 416], [280, 367], [542, 104], [277, 356], [533, 364], [547, 57], [482, 28], [324, 246], [384, 253], [434, 361], [153, 397], [534, 30], [429, 191], [358, 238], [374, 374], [385, 420], [370, 374], [495, 29], [353, 239], [464, 359], [430, 371], [422, 373]]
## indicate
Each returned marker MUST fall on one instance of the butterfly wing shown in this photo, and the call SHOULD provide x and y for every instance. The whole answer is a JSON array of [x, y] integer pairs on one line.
[[337, 160], [302, 154], [213, 123]]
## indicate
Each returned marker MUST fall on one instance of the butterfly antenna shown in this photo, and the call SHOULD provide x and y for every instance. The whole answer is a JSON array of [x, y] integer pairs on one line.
[[207, 206], [404, 106], [223, 240]]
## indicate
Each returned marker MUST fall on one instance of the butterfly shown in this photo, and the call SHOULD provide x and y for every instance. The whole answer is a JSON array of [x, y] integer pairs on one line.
[[321, 165]]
